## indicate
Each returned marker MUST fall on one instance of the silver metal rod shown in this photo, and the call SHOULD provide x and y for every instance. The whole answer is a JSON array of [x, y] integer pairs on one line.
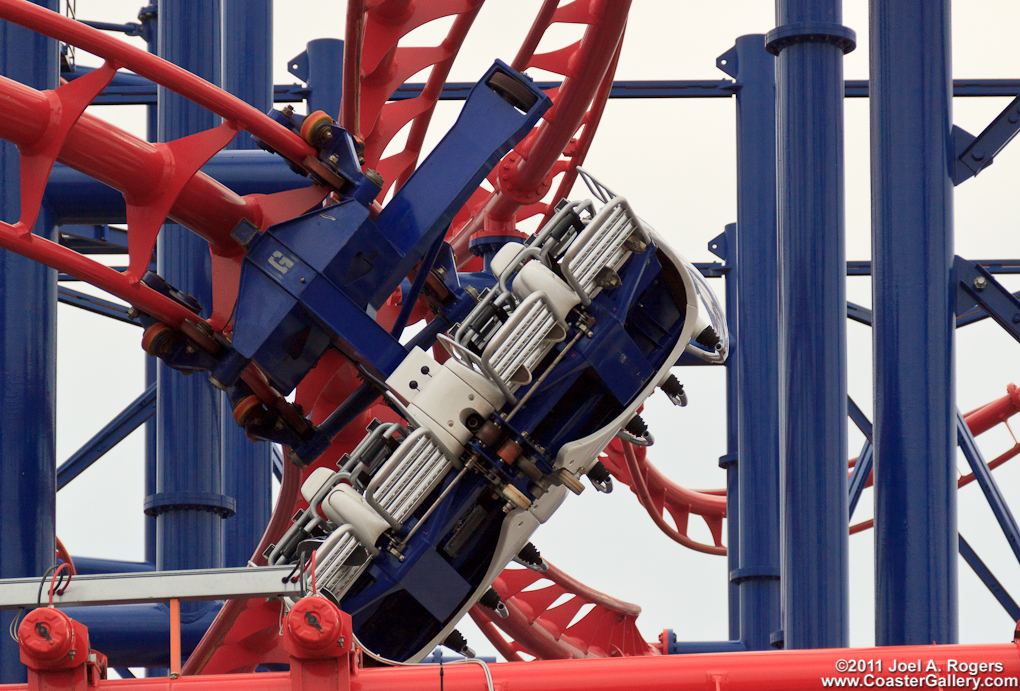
[[467, 466], [134, 588], [538, 382]]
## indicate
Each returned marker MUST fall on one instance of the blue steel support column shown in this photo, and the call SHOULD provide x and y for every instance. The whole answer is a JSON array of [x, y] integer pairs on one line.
[[247, 470], [151, 367], [810, 41], [319, 67], [28, 356], [731, 461], [189, 505], [913, 328], [149, 16], [758, 364]]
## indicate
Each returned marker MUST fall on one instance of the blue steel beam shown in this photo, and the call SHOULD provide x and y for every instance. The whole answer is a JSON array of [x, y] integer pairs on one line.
[[92, 565], [76, 198], [129, 419], [995, 266], [757, 367], [976, 285], [142, 92], [976, 314], [247, 468], [859, 418], [990, 488], [319, 67], [28, 314], [859, 476], [724, 247], [91, 303], [982, 150], [913, 330], [138, 635], [720, 246], [989, 579], [94, 239], [810, 41], [188, 535], [966, 317]]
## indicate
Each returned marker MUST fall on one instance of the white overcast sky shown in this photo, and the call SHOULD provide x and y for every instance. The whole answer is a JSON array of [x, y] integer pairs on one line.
[[675, 161]]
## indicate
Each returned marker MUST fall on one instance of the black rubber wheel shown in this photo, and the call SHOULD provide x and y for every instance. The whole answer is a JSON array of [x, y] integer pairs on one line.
[[512, 91]]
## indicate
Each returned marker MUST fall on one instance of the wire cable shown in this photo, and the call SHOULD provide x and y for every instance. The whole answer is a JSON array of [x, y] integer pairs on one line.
[[311, 565], [65, 567], [12, 630], [485, 668], [42, 583]]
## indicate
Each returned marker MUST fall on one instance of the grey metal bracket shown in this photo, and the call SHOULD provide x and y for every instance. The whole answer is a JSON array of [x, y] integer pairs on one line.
[[155, 586]]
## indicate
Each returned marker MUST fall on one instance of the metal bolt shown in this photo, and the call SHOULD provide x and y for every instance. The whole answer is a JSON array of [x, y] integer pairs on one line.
[[1016, 318], [980, 283], [288, 111], [977, 154], [1014, 117], [334, 159]]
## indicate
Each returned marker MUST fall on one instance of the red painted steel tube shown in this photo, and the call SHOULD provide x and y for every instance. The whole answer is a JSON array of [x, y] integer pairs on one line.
[[290, 493], [980, 421], [160, 71], [350, 104], [986, 417], [433, 87], [126, 163], [787, 670], [535, 34], [595, 54]]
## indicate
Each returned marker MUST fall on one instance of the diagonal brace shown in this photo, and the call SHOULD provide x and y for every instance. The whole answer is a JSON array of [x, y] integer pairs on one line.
[[989, 579], [90, 303], [983, 475], [976, 285], [979, 152], [130, 419], [861, 474]]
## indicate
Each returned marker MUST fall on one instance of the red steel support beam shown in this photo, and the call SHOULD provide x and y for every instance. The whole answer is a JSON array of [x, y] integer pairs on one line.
[[792, 670]]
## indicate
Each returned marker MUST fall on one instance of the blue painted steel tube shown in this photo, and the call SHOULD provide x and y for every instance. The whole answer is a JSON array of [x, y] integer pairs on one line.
[[76, 198], [248, 55], [912, 245], [189, 534], [810, 41], [92, 565], [28, 356], [247, 466], [139, 635], [757, 278], [325, 62], [731, 461]]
